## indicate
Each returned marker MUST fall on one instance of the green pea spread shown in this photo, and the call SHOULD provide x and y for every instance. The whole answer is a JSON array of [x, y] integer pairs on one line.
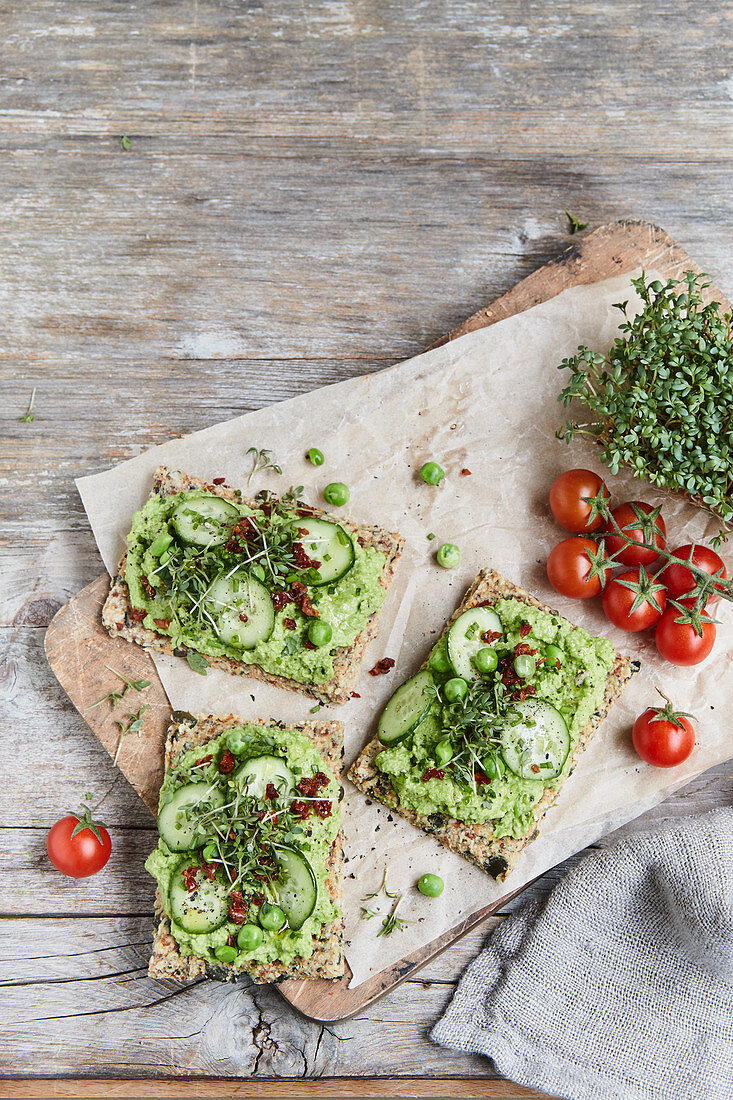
[[575, 689], [311, 835], [346, 605]]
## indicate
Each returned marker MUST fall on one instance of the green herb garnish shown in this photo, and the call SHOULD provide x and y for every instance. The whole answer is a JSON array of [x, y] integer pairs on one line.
[[381, 889], [197, 662], [28, 414], [125, 142], [661, 398], [392, 922], [134, 725], [116, 696], [261, 461], [575, 225]]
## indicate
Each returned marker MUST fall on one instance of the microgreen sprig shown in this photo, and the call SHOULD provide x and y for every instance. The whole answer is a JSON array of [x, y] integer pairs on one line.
[[393, 923], [28, 416], [261, 461], [575, 225], [116, 696], [134, 725]]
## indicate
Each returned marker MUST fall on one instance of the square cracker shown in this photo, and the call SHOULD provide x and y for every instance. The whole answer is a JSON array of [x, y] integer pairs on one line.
[[327, 960], [347, 660], [477, 842]]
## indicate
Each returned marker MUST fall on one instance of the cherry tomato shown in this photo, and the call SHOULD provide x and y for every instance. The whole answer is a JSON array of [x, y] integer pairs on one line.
[[81, 855], [662, 737], [568, 504], [618, 601], [633, 555], [679, 581], [568, 567], [678, 642]]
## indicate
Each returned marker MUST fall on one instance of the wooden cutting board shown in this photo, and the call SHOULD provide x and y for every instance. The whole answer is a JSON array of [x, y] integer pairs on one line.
[[81, 652]]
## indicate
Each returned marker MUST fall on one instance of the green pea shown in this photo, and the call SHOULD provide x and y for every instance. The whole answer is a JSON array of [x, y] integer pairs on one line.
[[455, 689], [431, 886], [315, 456], [249, 937], [493, 767], [432, 473], [554, 653], [319, 633], [271, 917], [525, 666], [336, 493], [160, 543], [438, 661], [225, 953], [443, 752], [486, 660], [209, 852], [448, 555]]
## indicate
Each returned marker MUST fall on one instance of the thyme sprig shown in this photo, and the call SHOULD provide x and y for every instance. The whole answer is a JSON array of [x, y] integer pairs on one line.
[[661, 399], [261, 461]]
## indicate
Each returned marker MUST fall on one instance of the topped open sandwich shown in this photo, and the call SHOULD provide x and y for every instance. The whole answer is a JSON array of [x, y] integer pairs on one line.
[[419, 780], [314, 946], [237, 582]]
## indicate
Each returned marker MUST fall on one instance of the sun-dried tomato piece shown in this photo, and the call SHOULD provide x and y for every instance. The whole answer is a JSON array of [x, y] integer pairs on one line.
[[271, 792], [465, 472], [303, 600], [490, 636], [323, 807], [481, 778], [433, 773], [162, 624], [189, 878], [300, 809], [521, 648], [289, 624], [382, 667], [309, 786], [218, 480], [302, 560], [227, 763], [149, 590], [280, 599], [524, 630], [209, 870], [137, 614]]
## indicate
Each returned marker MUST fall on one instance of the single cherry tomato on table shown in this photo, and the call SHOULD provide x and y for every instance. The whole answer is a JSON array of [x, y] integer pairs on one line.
[[679, 643], [571, 500], [680, 581], [78, 846], [638, 521], [569, 568], [633, 601], [663, 736]]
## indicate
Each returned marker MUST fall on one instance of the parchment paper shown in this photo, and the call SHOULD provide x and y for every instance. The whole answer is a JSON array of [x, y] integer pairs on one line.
[[486, 402]]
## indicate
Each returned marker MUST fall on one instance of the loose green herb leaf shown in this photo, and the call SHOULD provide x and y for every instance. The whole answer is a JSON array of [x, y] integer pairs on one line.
[[116, 696], [197, 662], [125, 142], [660, 399], [261, 461], [367, 914], [575, 225], [28, 414], [316, 708], [431, 536], [392, 922], [134, 725]]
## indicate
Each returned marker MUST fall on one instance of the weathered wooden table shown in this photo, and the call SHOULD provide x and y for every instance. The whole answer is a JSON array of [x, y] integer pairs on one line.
[[311, 191]]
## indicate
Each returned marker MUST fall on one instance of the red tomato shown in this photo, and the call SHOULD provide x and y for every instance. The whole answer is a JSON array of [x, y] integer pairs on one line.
[[568, 567], [658, 738], [568, 504], [81, 855], [679, 581], [618, 601], [633, 555], [678, 642]]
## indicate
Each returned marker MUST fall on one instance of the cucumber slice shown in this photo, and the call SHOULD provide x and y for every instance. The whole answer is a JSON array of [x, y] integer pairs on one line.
[[255, 774], [174, 823], [329, 544], [406, 709], [237, 594], [297, 891], [199, 910], [464, 639], [540, 741], [205, 521]]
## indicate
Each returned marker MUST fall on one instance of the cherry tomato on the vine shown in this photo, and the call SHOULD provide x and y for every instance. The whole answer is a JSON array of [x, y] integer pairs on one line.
[[569, 566], [619, 600], [679, 643], [663, 737], [78, 846], [569, 504], [679, 581], [625, 517]]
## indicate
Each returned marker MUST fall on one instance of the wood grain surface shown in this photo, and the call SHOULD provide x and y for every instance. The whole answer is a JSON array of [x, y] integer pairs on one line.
[[312, 191], [82, 655]]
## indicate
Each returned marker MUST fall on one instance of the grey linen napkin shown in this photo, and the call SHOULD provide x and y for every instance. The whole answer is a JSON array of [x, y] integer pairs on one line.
[[620, 984]]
